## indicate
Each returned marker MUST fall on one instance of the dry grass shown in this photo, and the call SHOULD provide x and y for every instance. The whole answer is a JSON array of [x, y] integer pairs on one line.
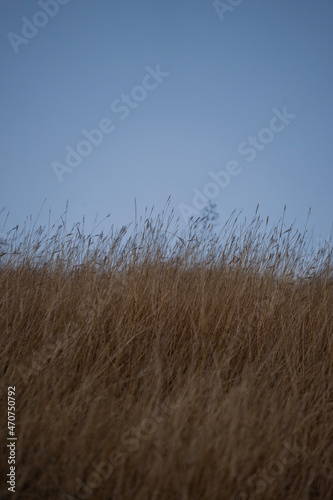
[[141, 376]]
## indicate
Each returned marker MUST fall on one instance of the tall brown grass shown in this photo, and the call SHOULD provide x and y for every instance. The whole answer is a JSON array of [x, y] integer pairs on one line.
[[179, 366]]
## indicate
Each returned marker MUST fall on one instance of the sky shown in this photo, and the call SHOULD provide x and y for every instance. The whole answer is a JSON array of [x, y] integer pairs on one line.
[[107, 102]]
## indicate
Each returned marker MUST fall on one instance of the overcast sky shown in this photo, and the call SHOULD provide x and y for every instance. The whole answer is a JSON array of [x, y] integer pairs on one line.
[[105, 101]]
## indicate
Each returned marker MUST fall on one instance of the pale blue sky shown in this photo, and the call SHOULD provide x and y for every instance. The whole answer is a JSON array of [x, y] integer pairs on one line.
[[225, 77]]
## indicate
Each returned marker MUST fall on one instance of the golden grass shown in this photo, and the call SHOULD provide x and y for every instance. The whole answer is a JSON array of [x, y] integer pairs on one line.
[[141, 376]]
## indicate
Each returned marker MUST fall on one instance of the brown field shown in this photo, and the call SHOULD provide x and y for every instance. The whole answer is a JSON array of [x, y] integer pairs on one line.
[[140, 376]]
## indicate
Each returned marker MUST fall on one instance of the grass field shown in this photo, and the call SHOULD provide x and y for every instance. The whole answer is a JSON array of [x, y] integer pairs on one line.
[[168, 366]]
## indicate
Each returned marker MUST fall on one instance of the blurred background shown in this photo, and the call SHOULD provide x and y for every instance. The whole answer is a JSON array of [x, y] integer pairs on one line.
[[177, 90]]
